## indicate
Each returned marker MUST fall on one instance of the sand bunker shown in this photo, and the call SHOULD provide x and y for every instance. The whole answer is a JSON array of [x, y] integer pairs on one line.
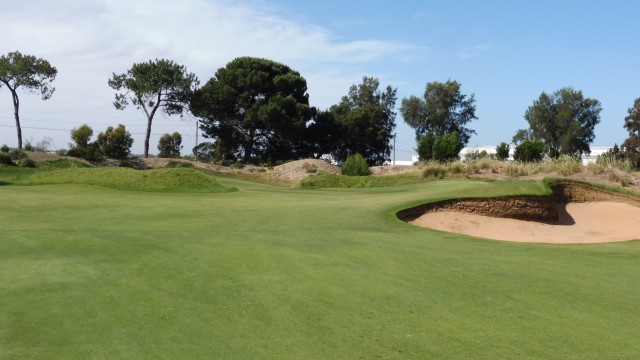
[[574, 214]]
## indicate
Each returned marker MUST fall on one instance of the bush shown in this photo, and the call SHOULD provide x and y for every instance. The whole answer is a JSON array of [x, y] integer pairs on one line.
[[502, 151], [16, 154], [115, 143], [169, 145], [26, 162], [4, 149], [425, 147], [447, 147], [355, 165], [28, 147], [5, 159], [529, 151]]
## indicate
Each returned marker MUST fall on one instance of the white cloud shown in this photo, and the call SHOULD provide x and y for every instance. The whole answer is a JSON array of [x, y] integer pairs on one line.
[[89, 40], [473, 52]]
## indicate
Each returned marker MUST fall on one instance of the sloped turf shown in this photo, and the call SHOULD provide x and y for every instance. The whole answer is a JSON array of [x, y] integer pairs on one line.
[[270, 272]]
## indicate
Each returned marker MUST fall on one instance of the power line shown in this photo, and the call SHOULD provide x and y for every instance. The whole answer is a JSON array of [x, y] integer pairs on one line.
[[52, 129]]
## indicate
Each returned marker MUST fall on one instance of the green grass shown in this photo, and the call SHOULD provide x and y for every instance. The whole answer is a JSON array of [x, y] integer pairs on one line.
[[168, 179], [271, 272], [326, 180]]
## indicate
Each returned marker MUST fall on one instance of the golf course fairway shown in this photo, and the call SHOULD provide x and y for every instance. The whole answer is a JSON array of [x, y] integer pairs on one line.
[[268, 272]]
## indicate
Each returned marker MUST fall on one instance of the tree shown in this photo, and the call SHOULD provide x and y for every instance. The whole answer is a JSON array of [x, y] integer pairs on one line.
[[425, 146], [522, 135], [256, 109], [115, 143], [529, 151], [26, 71], [564, 121], [631, 146], [447, 147], [155, 85], [81, 137], [444, 110], [169, 145], [502, 151], [366, 120]]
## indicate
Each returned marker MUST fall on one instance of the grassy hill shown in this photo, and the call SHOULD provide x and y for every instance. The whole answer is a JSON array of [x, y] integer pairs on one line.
[[274, 272]]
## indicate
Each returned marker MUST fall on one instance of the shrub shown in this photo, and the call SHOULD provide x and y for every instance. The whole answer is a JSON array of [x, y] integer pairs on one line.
[[425, 146], [434, 170], [4, 149], [26, 162], [309, 168], [529, 151], [169, 145], [17, 154], [115, 143], [355, 165], [502, 151], [447, 147], [5, 159], [28, 147]]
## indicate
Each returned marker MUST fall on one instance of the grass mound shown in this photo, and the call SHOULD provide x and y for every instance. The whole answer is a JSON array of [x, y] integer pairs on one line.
[[167, 180], [325, 180]]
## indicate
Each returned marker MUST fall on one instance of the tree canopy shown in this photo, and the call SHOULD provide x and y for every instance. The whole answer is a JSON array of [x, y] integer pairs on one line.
[[443, 110], [564, 121], [30, 73], [364, 120], [631, 146], [152, 86], [255, 109], [169, 145]]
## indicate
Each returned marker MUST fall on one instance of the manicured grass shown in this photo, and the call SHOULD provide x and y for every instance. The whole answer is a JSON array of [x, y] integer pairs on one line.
[[168, 179], [270, 272]]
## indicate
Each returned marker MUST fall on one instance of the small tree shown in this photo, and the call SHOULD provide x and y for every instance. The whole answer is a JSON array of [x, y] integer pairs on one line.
[[169, 145], [529, 151], [152, 86], [28, 72], [502, 151], [631, 146], [355, 165], [115, 143], [425, 146], [82, 147], [447, 147]]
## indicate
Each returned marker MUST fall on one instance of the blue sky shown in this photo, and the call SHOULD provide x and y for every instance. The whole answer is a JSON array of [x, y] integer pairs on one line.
[[505, 52]]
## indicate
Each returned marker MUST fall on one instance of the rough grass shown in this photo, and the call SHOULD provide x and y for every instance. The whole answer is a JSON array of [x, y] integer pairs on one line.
[[168, 179], [327, 180], [271, 272]]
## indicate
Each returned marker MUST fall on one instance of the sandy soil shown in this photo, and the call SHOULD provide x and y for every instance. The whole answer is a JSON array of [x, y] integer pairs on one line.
[[589, 222]]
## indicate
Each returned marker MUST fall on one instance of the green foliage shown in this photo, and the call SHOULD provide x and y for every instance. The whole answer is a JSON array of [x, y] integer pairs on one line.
[[631, 146], [26, 162], [529, 151], [115, 143], [5, 159], [425, 146], [82, 146], [4, 149], [169, 145], [355, 165], [28, 147], [447, 147], [564, 121], [17, 154], [27, 72], [444, 110], [255, 109], [159, 85], [502, 151], [366, 120]]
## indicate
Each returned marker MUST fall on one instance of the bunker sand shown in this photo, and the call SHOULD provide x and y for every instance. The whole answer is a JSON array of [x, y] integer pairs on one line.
[[578, 223], [575, 214]]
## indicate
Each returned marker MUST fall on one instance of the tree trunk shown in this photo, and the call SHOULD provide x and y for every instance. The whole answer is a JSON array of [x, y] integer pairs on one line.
[[248, 147], [148, 135], [16, 108]]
